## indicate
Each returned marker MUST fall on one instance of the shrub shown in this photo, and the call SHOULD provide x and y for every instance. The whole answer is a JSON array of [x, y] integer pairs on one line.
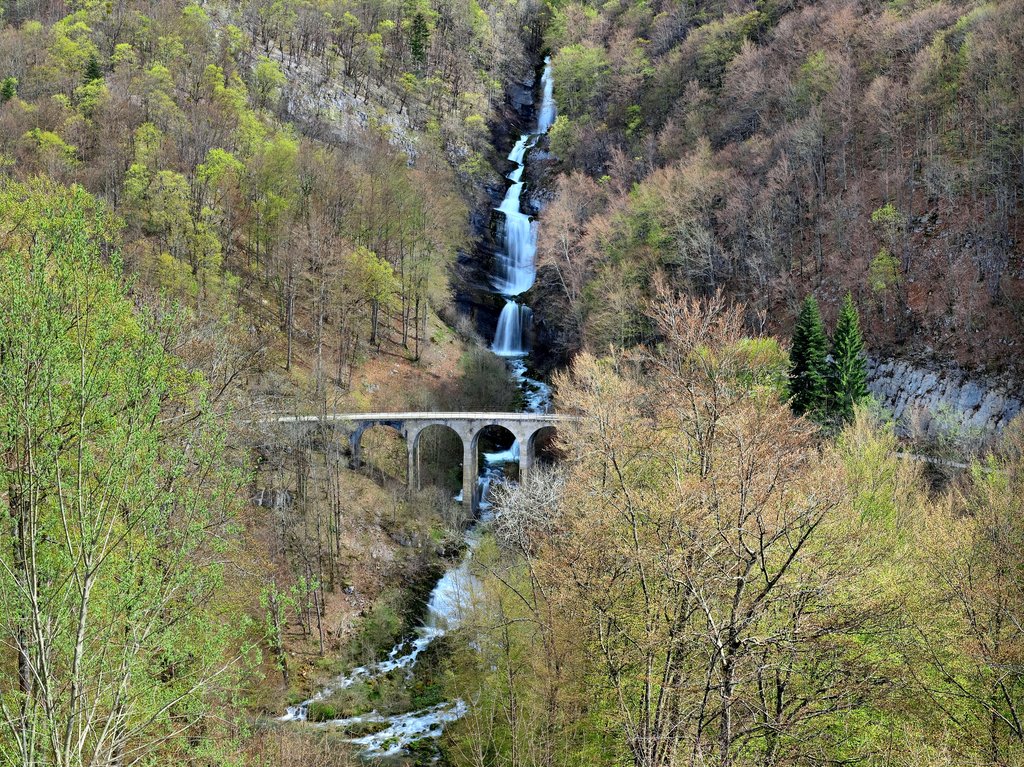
[[321, 711]]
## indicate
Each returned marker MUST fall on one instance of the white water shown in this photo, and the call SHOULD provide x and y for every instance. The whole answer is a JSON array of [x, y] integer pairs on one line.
[[516, 272], [509, 338], [546, 115], [402, 729], [444, 611], [454, 592], [500, 458], [517, 262], [537, 393]]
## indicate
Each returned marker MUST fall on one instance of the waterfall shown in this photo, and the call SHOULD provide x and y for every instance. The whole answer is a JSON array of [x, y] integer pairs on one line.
[[512, 324], [546, 115], [518, 153], [516, 263], [516, 270]]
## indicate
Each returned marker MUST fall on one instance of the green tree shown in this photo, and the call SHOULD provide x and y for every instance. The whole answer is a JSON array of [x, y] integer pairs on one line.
[[8, 89], [817, 79], [269, 81], [808, 365], [883, 272], [116, 505], [848, 375], [93, 70], [374, 279], [419, 36], [580, 73], [890, 222]]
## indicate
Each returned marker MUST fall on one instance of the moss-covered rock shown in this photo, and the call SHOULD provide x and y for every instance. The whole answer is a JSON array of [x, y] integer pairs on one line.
[[321, 711]]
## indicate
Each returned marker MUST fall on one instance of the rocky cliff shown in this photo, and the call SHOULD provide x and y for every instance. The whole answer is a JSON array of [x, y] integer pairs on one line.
[[932, 403]]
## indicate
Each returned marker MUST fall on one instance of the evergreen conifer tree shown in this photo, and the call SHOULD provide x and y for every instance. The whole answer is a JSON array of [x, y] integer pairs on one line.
[[808, 369], [8, 89], [93, 70], [848, 375], [419, 36]]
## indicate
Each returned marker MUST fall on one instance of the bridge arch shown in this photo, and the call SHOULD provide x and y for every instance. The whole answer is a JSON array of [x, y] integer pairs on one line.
[[496, 435], [432, 447], [542, 444], [495, 444], [379, 429]]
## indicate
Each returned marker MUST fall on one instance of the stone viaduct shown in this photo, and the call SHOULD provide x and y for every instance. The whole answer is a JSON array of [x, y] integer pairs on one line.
[[523, 426]]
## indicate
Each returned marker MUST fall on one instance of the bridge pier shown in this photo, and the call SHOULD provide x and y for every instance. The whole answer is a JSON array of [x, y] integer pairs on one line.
[[412, 480], [412, 446], [355, 440], [469, 474], [525, 460]]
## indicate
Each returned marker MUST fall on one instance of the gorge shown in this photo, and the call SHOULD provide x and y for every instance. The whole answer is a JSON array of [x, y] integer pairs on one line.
[[514, 274], [358, 405]]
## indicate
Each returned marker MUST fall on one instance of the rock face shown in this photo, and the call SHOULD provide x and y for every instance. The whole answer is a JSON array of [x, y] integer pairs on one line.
[[520, 95], [930, 403]]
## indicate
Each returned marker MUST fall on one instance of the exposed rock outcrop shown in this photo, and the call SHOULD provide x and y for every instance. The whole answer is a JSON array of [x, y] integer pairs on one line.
[[932, 403]]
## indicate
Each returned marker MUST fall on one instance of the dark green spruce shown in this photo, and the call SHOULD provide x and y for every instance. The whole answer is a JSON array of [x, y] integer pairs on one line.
[[848, 376], [8, 89], [93, 70], [419, 37], [808, 367]]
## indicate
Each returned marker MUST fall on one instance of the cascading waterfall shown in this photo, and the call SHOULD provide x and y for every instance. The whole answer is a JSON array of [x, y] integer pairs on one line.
[[512, 324], [546, 114], [516, 264], [516, 270], [515, 273]]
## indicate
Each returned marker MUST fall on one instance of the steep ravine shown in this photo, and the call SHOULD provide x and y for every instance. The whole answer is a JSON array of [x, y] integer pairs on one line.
[[514, 269]]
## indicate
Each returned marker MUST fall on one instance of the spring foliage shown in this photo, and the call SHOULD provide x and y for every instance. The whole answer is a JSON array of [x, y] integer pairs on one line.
[[778, 149], [118, 500], [704, 581]]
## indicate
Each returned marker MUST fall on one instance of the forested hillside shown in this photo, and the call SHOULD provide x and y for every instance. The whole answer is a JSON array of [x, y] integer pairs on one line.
[[179, 117], [708, 580], [211, 214], [777, 149], [223, 221]]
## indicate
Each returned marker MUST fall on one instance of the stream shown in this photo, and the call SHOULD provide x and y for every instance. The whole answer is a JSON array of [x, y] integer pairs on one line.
[[514, 274]]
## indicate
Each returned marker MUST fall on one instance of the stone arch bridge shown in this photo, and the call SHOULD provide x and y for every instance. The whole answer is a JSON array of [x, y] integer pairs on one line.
[[523, 426]]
